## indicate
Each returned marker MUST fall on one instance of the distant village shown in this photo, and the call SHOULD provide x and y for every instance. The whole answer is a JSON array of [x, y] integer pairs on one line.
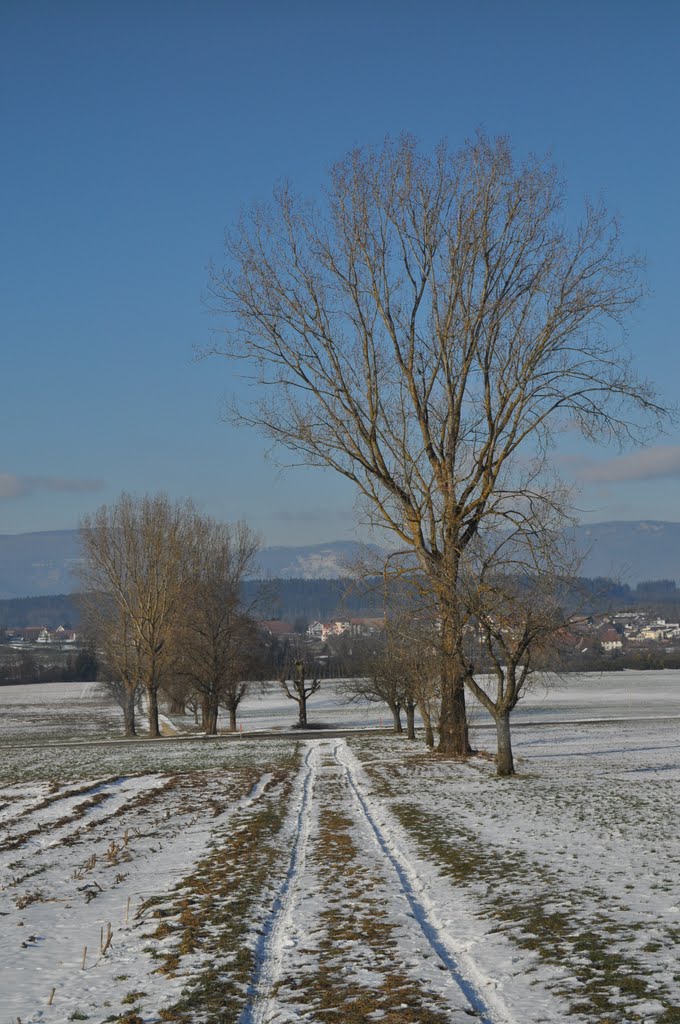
[[636, 638], [39, 636], [604, 631], [622, 631], [597, 633]]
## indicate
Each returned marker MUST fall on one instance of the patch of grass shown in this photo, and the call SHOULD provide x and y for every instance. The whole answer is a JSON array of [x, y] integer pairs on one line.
[[213, 909], [515, 895], [132, 997]]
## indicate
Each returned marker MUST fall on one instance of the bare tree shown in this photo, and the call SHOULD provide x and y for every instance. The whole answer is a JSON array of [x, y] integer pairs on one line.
[[216, 636], [300, 688], [383, 684], [402, 671], [421, 660], [424, 332], [107, 622], [128, 698], [404, 664], [132, 577], [513, 593], [177, 692]]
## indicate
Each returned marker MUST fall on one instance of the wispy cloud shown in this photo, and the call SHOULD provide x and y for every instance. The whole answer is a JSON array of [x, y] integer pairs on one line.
[[660, 462], [15, 486]]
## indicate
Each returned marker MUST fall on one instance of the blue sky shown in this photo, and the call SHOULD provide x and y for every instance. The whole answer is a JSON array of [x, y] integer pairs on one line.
[[134, 132]]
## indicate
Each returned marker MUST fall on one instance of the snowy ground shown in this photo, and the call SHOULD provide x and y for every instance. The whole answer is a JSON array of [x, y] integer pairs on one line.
[[82, 711], [354, 880]]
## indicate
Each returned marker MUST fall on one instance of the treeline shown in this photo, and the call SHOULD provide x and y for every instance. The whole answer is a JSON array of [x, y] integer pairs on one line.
[[641, 660], [50, 610], [604, 594], [287, 599], [320, 599], [19, 667], [302, 600]]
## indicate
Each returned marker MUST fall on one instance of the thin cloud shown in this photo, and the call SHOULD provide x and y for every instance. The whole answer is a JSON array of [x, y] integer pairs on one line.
[[661, 462], [14, 486]]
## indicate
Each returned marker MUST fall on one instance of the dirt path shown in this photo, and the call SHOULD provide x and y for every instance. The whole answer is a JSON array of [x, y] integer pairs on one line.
[[348, 932]]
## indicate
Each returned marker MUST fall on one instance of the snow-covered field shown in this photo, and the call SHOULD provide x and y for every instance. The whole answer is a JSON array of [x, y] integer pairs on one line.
[[355, 879], [58, 712]]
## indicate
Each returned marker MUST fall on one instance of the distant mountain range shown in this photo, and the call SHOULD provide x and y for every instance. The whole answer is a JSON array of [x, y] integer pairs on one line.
[[42, 563], [33, 564]]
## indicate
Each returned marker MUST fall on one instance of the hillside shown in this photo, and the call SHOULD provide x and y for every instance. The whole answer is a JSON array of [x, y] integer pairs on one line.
[[38, 563], [42, 563], [644, 549]]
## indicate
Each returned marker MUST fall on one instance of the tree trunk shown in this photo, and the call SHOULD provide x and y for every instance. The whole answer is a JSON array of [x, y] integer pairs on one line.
[[129, 712], [152, 698], [504, 761], [178, 706], [427, 725], [396, 717], [454, 740], [302, 706], [210, 714], [232, 717], [410, 721]]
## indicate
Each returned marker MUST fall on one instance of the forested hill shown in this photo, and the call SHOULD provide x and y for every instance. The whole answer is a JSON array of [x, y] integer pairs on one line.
[[321, 599], [272, 599], [51, 610], [300, 601]]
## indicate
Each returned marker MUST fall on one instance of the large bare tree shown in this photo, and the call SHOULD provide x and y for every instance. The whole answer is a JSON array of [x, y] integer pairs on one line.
[[425, 330], [132, 578]]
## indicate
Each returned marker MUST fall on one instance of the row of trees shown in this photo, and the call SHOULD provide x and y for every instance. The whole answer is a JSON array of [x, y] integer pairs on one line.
[[161, 594], [25, 666], [161, 586], [513, 633]]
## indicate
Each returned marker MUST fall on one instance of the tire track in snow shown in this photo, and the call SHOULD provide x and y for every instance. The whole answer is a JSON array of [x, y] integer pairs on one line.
[[423, 912], [269, 947]]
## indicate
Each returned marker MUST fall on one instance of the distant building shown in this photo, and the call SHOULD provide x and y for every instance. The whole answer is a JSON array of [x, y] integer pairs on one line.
[[345, 627], [277, 629], [43, 635], [610, 640]]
